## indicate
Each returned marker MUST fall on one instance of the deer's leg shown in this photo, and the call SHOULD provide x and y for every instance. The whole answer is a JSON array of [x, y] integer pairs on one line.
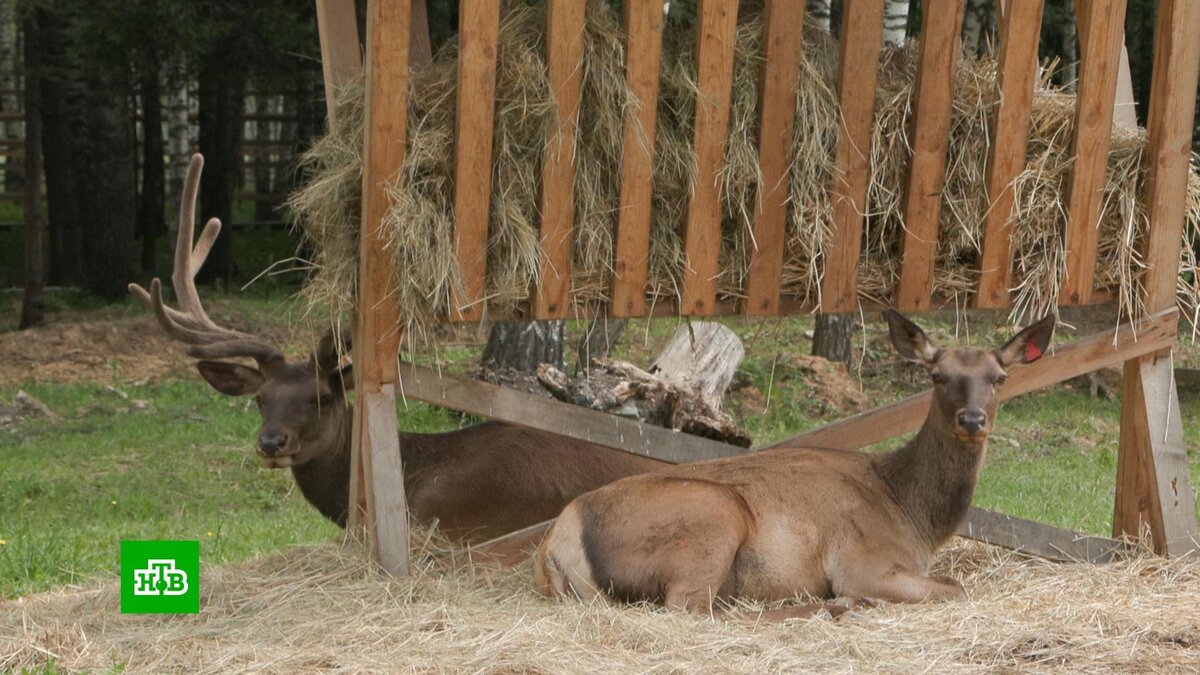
[[861, 576]]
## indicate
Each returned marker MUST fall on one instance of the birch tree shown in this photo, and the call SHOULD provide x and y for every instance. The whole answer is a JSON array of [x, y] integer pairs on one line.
[[895, 22]]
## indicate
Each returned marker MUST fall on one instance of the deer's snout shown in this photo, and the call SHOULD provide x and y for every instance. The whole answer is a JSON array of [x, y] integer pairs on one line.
[[972, 421], [272, 443]]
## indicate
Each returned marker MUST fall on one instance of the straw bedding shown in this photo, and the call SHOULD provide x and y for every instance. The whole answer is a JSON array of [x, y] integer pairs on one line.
[[420, 222], [323, 608]]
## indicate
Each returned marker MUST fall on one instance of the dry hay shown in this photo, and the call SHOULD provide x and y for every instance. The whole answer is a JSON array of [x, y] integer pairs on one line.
[[322, 608], [420, 223]]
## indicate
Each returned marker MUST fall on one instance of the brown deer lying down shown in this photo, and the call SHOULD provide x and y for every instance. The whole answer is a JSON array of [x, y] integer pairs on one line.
[[781, 523], [478, 483]]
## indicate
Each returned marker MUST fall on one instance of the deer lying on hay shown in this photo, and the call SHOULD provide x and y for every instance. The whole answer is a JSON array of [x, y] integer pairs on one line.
[[478, 483], [782, 523]]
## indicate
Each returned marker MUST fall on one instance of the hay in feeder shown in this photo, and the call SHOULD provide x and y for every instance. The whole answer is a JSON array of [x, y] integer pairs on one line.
[[420, 223], [325, 609]]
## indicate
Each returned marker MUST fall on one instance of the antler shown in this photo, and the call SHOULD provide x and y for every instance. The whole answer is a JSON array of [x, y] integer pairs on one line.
[[191, 324]]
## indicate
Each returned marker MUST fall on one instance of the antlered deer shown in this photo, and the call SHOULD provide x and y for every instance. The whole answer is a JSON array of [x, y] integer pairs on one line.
[[781, 523], [479, 482]]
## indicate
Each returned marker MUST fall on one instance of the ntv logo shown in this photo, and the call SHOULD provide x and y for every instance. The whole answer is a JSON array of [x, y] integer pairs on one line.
[[160, 577]]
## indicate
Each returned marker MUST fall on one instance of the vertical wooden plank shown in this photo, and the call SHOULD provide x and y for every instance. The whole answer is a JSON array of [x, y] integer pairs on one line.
[[783, 32], [716, 23], [1019, 32], [1096, 90], [564, 60], [341, 60], [941, 25], [478, 30], [643, 55], [1152, 470], [861, 38], [420, 49], [377, 339]]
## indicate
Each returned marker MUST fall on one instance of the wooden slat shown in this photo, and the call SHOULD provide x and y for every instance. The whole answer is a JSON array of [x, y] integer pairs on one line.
[[716, 23], [1096, 90], [1037, 539], [535, 412], [341, 58], [1072, 360], [1019, 34], [420, 49], [564, 58], [934, 98], [782, 36], [1152, 477], [478, 31], [376, 339], [643, 50], [862, 35], [511, 549]]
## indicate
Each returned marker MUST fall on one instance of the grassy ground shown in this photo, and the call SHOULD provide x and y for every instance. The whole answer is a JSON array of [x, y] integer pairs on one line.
[[164, 456]]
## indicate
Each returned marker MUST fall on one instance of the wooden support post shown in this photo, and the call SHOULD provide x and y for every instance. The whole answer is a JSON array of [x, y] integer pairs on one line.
[[783, 32], [716, 23], [564, 59], [341, 59], [643, 49], [1152, 471], [375, 454], [862, 38], [934, 99], [1019, 32], [1102, 37], [478, 31]]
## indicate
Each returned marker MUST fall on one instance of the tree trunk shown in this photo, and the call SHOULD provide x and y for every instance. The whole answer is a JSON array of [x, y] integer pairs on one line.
[[818, 12], [832, 337], [221, 90], [602, 335], [263, 209], [973, 24], [1070, 48], [179, 146], [58, 150], [9, 84], [524, 345], [32, 306], [151, 223], [895, 22]]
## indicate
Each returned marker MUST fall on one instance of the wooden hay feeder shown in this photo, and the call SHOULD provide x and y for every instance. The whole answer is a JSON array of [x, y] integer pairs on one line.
[[1152, 492]]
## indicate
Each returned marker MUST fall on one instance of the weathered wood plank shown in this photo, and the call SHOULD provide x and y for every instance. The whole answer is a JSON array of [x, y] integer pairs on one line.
[[643, 49], [1150, 486], [782, 36], [716, 24], [341, 57], [1072, 360], [1037, 539], [1019, 33], [862, 35], [934, 97], [376, 339], [564, 59], [511, 549], [1096, 91], [489, 400], [478, 32]]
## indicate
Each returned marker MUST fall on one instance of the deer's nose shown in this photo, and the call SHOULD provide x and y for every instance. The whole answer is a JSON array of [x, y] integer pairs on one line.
[[972, 420], [271, 444]]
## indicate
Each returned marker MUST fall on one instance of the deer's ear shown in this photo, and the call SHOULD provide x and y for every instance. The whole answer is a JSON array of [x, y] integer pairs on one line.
[[231, 379], [343, 378], [1028, 345], [909, 340]]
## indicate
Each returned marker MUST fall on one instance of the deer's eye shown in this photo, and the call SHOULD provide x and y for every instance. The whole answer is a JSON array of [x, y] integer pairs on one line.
[[1001, 379], [938, 378]]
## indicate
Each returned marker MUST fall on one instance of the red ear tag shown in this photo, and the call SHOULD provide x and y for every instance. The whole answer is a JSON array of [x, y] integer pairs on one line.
[[1032, 353]]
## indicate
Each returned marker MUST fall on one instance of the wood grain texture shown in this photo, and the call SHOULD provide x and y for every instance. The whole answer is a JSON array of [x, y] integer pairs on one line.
[[1037, 539], [376, 338], [862, 31], [934, 97], [716, 23], [341, 57], [783, 33], [643, 49], [564, 59], [1095, 93], [478, 32], [1019, 33]]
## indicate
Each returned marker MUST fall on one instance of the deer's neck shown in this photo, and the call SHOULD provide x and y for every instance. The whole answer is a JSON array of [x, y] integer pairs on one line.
[[933, 479], [325, 480]]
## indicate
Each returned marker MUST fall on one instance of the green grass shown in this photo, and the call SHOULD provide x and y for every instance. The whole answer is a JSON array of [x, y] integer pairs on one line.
[[184, 467]]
